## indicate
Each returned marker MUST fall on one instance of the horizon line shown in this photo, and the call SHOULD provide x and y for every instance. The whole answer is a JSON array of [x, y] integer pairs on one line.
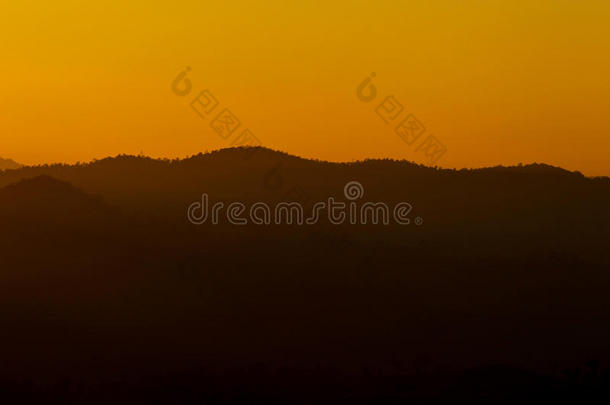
[[289, 155]]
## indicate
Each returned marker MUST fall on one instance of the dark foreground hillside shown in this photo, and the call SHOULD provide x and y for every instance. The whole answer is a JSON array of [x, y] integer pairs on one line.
[[109, 294]]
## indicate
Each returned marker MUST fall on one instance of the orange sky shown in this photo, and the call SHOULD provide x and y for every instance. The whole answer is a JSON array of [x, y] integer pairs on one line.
[[497, 82]]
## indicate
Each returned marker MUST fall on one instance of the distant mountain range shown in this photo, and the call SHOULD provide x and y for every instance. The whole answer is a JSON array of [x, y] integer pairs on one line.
[[510, 267], [8, 164], [515, 196]]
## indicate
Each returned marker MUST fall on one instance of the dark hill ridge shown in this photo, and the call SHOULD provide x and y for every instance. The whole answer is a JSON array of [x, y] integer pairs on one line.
[[46, 201], [444, 196], [259, 157], [8, 164], [44, 190], [39, 188], [528, 206], [510, 267], [260, 165]]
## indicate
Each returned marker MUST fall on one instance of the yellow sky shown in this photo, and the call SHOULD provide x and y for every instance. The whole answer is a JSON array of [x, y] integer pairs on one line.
[[497, 82]]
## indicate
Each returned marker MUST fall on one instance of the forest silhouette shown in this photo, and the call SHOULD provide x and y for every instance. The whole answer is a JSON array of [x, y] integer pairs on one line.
[[8, 164], [110, 294]]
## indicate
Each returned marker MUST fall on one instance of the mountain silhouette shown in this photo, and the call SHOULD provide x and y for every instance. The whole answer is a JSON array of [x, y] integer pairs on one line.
[[502, 289], [6, 164], [46, 203], [542, 200]]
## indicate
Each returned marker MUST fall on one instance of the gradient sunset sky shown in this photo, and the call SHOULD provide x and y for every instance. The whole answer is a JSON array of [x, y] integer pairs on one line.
[[498, 82]]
